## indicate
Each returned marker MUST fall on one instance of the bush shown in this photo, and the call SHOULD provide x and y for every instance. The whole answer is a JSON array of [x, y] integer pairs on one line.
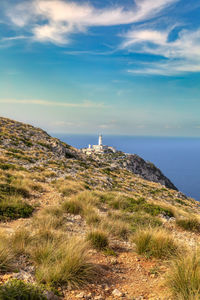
[[17, 289], [7, 190], [98, 239], [155, 242], [140, 220], [183, 278], [73, 207], [11, 209], [191, 224], [64, 263]]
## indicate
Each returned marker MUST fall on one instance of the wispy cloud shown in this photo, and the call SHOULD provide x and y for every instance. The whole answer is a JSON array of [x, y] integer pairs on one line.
[[61, 19], [85, 104], [181, 55]]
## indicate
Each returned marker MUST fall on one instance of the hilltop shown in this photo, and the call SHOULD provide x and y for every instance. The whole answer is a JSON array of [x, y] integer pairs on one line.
[[82, 226]]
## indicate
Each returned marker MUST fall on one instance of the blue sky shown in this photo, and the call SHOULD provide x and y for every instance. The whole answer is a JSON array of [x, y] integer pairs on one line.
[[117, 67]]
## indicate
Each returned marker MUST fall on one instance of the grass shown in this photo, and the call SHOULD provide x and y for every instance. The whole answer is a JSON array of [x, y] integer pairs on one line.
[[6, 256], [156, 243], [98, 239], [20, 240], [64, 263], [73, 206], [117, 228], [125, 203], [191, 224], [93, 219], [18, 289], [68, 187], [183, 278]]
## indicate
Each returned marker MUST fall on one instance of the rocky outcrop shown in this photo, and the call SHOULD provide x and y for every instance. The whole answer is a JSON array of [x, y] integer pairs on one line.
[[136, 165], [146, 170]]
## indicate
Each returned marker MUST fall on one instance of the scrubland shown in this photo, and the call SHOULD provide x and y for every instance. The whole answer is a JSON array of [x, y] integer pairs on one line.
[[70, 230]]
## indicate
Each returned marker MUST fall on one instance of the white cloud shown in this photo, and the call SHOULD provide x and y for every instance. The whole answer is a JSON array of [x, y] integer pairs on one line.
[[63, 18], [85, 104], [181, 55]]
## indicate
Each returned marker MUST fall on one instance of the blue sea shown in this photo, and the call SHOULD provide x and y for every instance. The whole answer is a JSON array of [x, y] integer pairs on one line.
[[178, 158]]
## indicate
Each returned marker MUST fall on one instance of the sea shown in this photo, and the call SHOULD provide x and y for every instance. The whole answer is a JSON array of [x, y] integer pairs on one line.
[[178, 158]]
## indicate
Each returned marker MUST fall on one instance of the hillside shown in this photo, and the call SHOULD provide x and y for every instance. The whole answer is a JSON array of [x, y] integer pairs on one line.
[[103, 227]]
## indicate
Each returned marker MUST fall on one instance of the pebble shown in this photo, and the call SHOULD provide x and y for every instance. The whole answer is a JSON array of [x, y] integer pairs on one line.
[[99, 298], [117, 293], [50, 296], [81, 295]]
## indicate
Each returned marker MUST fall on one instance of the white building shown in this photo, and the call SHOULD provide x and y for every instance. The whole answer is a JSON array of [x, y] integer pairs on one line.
[[99, 149]]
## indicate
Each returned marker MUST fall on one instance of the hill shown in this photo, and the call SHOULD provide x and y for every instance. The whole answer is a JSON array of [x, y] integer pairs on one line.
[[100, 227]]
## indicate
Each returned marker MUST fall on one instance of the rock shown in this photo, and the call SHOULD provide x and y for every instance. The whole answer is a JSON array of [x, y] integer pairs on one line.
[[117, 293], [98, 298], [81, 295], [50, 296]]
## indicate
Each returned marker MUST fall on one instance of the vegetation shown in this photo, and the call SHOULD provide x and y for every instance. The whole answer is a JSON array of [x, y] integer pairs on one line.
[[18, 289], [73, 206], [156, 243], [191, 223], [116, 207], [6, 256], [98, 239], [183, 278], [14, 209], [64, 263]]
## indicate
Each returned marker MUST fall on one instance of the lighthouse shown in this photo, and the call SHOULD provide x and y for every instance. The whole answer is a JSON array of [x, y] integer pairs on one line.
[[100, 140], [99, 149]]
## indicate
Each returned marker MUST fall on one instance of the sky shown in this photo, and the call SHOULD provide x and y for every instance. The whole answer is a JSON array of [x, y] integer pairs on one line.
[[129, 67]]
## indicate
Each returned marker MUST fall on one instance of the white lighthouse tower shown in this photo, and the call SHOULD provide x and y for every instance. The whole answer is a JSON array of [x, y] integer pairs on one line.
[[99, 149], [100, 140]]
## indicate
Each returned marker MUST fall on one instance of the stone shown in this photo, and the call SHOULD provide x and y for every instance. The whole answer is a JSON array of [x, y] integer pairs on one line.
[[81, 295], [50, 296], [117, 293], [99, 297]]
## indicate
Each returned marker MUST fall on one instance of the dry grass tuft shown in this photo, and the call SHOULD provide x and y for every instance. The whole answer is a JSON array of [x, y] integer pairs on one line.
[[183, 278], [64, 263], [116, 228], [98, 239], [155, 243], [6, 256], [191, 223]]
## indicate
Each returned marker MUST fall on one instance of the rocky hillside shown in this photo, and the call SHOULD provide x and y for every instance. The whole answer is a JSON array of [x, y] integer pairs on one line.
[[77, 227], [33, 147], [136, 165]]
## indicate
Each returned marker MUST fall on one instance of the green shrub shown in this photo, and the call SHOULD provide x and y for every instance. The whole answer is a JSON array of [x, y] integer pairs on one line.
[[191, 224], [140, 220], [6, 166], [14, 209], [183, 278], [109, 252], [98, 239], [7, 190], [155, 242], [129, 204], [19, 290]]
